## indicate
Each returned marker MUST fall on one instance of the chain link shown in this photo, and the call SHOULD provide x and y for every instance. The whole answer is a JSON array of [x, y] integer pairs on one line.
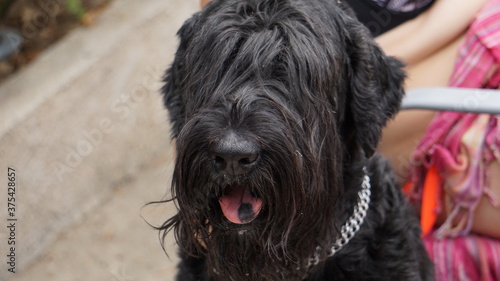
[[353, 223]]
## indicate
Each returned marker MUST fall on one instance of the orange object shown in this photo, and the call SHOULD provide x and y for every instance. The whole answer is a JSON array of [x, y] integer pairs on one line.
[[407, 188], [430, 200]]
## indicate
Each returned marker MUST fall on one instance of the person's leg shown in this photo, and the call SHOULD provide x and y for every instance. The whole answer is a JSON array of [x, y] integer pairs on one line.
[[487, 216], [403, 133], [401, 137]]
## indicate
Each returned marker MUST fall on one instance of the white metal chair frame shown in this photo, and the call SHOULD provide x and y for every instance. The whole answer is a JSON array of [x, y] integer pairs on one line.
[[453, 99]]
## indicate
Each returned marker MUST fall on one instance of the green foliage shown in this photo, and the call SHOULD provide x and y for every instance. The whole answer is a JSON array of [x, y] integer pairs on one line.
[[4, 4], [75, 7]]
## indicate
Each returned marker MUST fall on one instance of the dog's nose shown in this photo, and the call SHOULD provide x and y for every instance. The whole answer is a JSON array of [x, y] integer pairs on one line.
[[234, 154]]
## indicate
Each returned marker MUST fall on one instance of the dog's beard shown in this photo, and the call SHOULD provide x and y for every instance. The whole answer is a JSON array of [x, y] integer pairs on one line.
[[273, 246], [243, 255], [261, 249], [296, 216], [266, 248]]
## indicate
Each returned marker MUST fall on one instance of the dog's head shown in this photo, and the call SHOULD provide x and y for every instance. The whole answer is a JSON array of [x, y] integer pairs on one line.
[[272, 103]]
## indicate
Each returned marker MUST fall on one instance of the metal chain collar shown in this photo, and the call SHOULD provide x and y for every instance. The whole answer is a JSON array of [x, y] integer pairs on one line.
[[352, 225]]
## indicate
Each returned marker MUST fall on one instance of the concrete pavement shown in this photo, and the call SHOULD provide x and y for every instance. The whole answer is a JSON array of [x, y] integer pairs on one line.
[[84, 129], [113, 242]]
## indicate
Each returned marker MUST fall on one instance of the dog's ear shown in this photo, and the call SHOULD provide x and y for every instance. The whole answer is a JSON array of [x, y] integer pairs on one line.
[[175, 77], [376, 87]]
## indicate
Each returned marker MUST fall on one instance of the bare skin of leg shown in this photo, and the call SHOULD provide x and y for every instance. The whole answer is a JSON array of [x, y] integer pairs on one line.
[[403, 133], [487, 216], [401, 136]]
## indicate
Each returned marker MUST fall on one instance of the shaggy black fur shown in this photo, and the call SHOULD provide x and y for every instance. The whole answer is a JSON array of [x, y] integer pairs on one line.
[[298, 91]]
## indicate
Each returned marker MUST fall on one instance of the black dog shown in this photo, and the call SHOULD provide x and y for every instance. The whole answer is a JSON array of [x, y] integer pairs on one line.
[[277, 107]]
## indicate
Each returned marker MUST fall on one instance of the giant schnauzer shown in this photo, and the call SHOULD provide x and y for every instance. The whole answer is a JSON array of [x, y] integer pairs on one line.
[[277, 107]]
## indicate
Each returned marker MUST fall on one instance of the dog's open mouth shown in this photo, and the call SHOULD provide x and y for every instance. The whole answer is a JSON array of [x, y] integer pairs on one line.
[[239, 204]]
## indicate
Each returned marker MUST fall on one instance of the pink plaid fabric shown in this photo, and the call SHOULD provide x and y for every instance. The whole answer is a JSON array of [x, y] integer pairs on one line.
[[460, 146], [477, 62], [464, 258]]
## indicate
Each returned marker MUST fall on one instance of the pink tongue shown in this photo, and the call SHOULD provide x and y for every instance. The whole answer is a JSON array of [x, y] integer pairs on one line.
[[238, 205]]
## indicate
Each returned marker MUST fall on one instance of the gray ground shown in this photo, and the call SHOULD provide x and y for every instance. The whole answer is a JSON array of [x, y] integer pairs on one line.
[[113, 242], [90, 224]]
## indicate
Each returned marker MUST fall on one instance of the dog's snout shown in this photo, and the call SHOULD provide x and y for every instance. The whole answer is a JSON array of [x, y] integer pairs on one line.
[[234, 154]]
